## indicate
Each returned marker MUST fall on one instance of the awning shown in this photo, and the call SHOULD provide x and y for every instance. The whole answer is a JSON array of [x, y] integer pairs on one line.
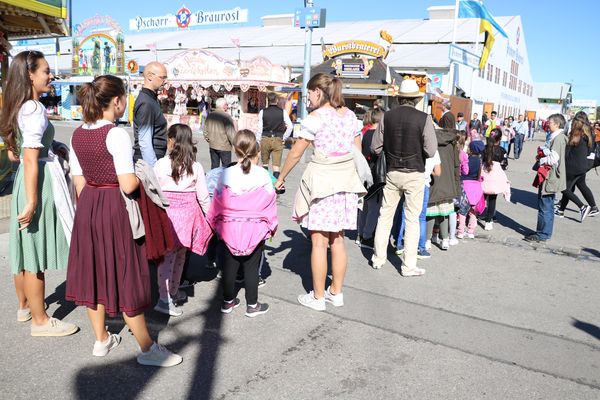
[[26, 19]]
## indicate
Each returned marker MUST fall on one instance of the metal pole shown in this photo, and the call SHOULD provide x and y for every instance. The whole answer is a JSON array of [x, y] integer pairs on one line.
[[452, 71], [306, 71]]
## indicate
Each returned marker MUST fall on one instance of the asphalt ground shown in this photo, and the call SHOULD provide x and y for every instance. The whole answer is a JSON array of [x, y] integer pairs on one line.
[[494, 317]]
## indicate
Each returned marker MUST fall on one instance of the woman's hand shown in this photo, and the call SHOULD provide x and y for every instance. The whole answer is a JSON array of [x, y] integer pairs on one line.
[[279, 183], [25, 217]]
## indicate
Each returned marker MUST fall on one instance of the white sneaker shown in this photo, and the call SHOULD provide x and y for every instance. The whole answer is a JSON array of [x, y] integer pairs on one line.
[[336, 299], [415, 271], [102, 348], [445, 244], [168, 308], [471, 235], [428, 245], [460, 236], [454, 242], [159, 356], [489, 226], [308, 300]]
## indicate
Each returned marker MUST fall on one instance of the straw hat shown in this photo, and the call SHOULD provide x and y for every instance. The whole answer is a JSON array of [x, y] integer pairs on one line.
[[409, 88]]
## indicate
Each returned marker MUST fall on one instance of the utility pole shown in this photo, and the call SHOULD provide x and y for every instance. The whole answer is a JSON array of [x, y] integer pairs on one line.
[[306, 72]]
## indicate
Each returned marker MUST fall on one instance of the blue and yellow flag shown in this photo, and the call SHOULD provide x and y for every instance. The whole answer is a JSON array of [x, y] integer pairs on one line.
[[474, 9]]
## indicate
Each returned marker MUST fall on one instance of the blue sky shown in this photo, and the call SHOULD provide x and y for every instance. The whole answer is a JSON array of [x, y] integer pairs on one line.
[[562, 37]]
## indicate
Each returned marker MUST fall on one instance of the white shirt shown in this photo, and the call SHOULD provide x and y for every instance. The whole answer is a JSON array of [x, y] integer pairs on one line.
[[118, 144], [430, 164], [235, 179], [32, 121]]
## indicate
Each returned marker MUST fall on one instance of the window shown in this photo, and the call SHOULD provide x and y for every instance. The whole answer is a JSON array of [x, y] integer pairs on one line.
[[490, 68], [504, 78], [519, 87], [497, 75]]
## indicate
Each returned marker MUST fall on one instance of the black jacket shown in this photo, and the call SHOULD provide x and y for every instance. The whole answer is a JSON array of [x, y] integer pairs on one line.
[[446, 187]]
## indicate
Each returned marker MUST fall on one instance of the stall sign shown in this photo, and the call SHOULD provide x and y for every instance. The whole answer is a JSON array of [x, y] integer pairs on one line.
[[184, 18], [354, 47]]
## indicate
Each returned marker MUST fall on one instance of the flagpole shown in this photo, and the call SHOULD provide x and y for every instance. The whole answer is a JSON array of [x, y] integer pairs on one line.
[[452, 72], [475, 70]]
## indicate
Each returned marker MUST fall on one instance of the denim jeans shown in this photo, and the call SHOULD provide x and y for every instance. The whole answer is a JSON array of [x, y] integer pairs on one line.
[[545, 220], [422, 224], [221, 157], [519, 139], [504, 145]]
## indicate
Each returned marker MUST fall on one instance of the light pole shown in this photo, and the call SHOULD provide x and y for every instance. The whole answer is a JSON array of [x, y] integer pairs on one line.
[[306, 70]]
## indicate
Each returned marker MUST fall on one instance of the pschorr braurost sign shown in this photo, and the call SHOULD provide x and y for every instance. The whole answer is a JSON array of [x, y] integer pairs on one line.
[[184, 18]]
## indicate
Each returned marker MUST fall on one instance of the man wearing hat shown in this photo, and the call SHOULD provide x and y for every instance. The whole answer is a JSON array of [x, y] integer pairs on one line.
[[407, 137]]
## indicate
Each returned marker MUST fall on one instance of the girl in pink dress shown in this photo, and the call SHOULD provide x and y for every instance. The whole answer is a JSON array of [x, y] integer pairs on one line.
[[327, 201], [181, 179]]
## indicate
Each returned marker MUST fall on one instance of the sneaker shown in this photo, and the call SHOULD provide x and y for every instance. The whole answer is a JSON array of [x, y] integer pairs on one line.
[[308, 300], [415, 271], [489, 226], [168, 308], [375, 266], [102, 348], [445, 244], [180, 297], [23, 314], [186, 283], [471, 235], [258, 309], [228, 306], [584, 211], [559, 213], [593, 212], [261, 282], [533, 238], [436, 239], [54, 327], [280, 190], [428, 245], [159, 356], [460, 235], [336, 299], [368, 243], [453, 242], [400, 251], [423, 254]]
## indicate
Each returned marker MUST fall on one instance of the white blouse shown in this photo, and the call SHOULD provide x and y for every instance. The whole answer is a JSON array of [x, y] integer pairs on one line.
[[118, 144], [32, 121]]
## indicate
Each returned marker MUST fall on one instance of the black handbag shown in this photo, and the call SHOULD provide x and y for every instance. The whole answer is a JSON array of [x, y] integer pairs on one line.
[[379, 169]]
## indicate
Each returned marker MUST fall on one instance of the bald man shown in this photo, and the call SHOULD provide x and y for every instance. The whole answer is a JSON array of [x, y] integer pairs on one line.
[[149, 123]]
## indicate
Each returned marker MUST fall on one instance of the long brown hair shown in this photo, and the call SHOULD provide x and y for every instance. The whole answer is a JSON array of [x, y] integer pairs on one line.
[[183, 153], [492, 142], [580, 127], [330, 87], [17, 90], [95, 97], [246, 148]]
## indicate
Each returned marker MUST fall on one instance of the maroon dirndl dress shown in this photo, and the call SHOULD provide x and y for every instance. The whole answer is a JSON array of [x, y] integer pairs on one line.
[[106, 265]]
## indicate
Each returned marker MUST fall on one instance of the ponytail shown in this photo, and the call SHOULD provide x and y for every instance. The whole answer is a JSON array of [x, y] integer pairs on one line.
[[331, 88], [336, 100], [91, 109], [246, 148], [95, 97]]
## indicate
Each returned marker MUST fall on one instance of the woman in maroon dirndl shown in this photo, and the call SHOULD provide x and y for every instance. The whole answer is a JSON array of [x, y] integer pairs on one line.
[[108, 271]]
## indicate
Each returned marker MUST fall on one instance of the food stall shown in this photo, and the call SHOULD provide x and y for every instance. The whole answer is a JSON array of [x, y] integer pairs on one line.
[[198, 77]]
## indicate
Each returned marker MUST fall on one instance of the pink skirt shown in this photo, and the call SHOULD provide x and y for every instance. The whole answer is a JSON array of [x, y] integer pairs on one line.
[[189, 222]]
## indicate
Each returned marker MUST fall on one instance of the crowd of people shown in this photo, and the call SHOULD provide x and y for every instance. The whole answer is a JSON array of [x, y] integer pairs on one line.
[[150, 201]]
